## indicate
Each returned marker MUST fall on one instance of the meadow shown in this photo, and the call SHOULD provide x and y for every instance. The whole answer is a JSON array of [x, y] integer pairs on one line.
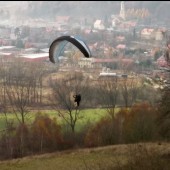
[[88, 116]]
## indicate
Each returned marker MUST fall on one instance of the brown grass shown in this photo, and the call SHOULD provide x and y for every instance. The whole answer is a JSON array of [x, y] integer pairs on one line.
[[119, 157]]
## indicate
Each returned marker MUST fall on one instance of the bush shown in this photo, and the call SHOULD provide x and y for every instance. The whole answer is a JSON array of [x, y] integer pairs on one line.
[[163, 118], [105, 132], [140, 124], [45, 134], [137, 124], [139, 157]]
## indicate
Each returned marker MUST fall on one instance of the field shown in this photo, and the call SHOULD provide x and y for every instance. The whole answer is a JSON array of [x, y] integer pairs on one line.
[[94, 158], [143, 156], [89, 116]]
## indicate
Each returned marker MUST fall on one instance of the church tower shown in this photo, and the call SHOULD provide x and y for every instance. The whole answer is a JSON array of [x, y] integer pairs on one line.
[[122, 10]]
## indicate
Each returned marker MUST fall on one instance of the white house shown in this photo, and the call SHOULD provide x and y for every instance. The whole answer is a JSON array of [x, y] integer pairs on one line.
[[159, 35], [99, 25], [85, 62]]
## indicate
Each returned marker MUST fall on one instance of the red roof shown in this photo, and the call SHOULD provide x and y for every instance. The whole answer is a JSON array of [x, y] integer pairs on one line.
[[121, 46]]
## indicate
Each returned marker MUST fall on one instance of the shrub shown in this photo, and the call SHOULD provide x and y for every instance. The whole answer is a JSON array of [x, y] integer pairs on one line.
[[46, 134], [105, 132], [127, 126], [140, 123], [138, 157]]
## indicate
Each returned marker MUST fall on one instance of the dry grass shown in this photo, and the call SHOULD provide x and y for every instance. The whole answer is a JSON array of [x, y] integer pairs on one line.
[[117, 157]]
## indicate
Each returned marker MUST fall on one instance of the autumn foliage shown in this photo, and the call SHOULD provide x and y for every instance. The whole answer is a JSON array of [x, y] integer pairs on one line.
[[128, 126], [140, 123], [45, 134]]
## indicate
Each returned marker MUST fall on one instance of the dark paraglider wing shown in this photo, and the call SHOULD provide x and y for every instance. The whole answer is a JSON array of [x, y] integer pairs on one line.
[[58, 45], [57, 49]]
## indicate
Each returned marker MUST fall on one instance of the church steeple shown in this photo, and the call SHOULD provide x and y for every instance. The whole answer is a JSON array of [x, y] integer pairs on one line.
[[122, 10]]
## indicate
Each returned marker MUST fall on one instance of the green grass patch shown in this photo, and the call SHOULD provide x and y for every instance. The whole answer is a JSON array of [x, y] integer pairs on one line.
[[89, 116]]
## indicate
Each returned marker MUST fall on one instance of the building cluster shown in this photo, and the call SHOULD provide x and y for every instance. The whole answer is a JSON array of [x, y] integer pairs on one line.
[[116, 40]]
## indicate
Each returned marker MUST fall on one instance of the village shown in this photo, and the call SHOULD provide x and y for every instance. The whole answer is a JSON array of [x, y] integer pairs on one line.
[[90, 78], [119, 44]]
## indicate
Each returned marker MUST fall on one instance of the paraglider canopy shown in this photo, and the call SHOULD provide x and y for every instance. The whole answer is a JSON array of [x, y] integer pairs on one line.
[[59, 44]]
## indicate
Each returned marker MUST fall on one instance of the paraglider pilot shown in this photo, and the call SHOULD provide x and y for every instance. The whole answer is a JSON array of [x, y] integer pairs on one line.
[[77, 99]]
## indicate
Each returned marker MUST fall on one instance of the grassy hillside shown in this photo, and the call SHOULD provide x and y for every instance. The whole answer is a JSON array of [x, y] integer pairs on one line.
[[149, 156]]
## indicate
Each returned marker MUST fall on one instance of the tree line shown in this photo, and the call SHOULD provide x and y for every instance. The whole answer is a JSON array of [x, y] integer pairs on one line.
[[27, 86]]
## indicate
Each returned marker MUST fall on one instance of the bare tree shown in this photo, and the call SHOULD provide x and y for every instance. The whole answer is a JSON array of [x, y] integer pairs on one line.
[[129, 88], [109, 90], [36, 72], [19, 88], [11, 97], [62, 98], [8, 128]]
